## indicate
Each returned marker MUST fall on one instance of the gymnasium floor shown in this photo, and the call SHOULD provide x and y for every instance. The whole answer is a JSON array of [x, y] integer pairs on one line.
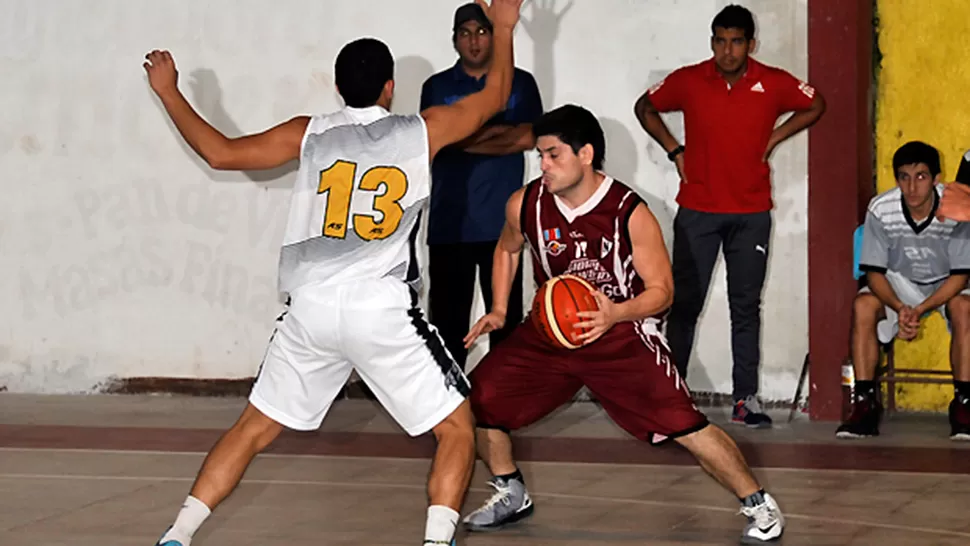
[[113, 470]]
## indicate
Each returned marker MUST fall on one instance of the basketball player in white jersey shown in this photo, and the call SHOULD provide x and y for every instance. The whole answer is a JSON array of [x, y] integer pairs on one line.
[[348, 264]]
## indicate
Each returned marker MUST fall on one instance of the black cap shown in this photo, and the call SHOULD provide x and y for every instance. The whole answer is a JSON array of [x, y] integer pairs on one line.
[[471, 12]]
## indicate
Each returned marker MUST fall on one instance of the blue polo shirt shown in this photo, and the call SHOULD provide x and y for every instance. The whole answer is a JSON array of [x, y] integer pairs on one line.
[[469, 191]]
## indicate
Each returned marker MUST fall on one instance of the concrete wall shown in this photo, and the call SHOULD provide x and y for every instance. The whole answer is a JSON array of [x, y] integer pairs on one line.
[[124, 255], [922, 95]]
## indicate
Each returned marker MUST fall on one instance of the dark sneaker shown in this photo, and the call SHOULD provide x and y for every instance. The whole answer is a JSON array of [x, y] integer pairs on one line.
[[863, 422], [960, 419], [748, 412]]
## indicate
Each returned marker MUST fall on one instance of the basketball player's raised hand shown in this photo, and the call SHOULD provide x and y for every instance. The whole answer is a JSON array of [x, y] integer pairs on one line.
[[502, 13], [955, 203], [600, 321], [162, 75], [489, 323]]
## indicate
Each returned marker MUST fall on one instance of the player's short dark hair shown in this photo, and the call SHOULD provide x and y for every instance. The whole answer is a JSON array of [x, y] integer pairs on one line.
[[734, 16], [915, 152], [575, 126], [362, 68]]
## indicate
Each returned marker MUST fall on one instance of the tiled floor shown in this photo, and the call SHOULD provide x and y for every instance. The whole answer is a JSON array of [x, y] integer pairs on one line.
[[113, 470]]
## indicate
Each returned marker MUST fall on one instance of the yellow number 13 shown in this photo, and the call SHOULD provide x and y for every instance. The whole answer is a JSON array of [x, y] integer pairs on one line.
[[338, 180]]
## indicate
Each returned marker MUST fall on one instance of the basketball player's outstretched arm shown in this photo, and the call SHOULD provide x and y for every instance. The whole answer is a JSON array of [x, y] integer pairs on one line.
[[652, 265], [265, 150], [452, 123], [505, 262]]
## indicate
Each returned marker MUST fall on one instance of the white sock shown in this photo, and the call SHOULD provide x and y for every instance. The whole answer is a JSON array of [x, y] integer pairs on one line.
[[190, 518], [441, 525]]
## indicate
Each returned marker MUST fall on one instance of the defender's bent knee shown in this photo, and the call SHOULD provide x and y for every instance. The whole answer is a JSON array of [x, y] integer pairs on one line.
[[460, 424], [257, 427], [690, 440], [710, 441], [483, 396]]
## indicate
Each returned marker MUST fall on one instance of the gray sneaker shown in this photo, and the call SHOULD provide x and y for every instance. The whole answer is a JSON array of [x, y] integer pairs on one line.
[[765, 522], [509, 504]]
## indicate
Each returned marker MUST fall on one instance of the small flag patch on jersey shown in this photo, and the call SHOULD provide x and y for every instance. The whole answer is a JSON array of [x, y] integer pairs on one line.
[[551, 234]]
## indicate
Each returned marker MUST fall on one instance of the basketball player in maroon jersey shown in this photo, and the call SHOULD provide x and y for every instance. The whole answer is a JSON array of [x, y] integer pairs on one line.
[[580, 221]]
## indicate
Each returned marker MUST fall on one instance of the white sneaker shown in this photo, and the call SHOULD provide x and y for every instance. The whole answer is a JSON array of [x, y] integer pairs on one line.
[[765, 522]]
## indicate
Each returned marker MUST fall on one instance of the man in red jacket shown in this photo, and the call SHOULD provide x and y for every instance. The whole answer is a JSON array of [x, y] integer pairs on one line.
[[730, 104]]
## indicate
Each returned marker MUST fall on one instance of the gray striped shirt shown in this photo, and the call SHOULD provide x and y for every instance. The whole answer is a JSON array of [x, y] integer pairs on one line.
[[925, 253]]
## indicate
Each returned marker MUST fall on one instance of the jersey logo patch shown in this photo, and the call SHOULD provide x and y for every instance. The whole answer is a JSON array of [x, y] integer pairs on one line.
[[580, 249], [555, 248], [605, 247], [807, 90]]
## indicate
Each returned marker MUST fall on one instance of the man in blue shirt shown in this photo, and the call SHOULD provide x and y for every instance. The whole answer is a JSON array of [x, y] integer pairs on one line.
[[472, 181]]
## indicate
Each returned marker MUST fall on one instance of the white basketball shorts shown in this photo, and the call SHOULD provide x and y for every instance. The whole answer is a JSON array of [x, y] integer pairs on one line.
[[373, 326]]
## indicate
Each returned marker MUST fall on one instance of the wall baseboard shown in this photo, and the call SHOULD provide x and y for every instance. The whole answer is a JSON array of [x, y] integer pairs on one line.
[[355, 389]]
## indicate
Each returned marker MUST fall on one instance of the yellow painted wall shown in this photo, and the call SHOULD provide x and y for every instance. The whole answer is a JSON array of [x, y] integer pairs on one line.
[[923, 94]]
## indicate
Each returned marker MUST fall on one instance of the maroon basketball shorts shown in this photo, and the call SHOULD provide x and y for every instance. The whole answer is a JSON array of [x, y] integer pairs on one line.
[[628, 370]]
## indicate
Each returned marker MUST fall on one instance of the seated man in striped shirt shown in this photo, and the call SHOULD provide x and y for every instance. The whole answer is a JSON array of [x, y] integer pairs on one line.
[[915, 262]]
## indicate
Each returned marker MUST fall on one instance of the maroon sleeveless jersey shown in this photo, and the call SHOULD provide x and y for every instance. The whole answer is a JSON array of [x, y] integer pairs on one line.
[[591, 241]]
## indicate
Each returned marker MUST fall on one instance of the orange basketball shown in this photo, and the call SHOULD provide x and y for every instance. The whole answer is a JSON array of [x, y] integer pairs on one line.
[[555, 306]]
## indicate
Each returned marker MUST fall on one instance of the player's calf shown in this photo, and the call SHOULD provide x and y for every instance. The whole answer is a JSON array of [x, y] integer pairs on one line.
[[510, 502], [221, 472], [720, 457], [451, 472]]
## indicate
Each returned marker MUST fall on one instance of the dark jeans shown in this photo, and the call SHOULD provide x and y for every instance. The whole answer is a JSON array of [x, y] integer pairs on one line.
[[697, 238], [452, 278]]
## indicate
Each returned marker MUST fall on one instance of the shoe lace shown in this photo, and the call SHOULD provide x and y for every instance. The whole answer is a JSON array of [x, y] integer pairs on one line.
[[761, 514], [502, 495]]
